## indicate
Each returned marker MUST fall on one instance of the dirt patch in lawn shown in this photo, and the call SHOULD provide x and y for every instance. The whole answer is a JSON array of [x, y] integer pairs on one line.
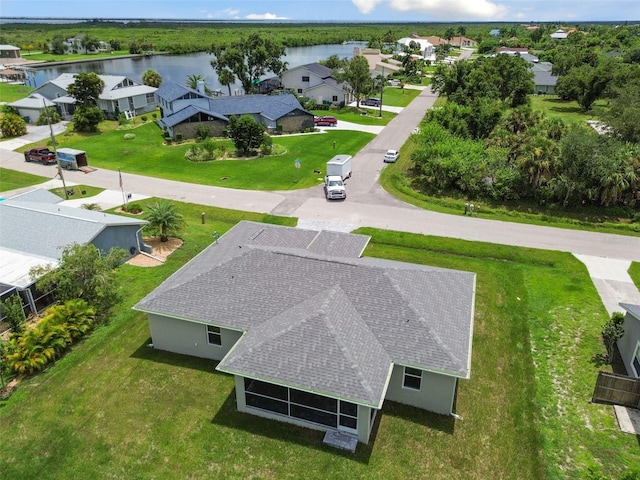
[[160, 252]]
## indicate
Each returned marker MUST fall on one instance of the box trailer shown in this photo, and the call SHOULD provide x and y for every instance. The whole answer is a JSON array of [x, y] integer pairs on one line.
[[72, 159], [340, 165]]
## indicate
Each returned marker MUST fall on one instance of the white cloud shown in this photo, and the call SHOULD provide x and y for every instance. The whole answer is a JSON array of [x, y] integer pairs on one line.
[[451, 9], [366, 6], [264, 16]]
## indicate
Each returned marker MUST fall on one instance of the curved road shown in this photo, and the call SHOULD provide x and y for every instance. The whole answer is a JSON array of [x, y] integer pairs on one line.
[[367, 203]]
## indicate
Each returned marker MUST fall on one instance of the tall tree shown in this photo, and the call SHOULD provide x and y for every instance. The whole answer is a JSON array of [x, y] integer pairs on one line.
[[152, 78], [165, 219], [86, 89], [356, 76], [625, 111], [249, 59], [226, 78]]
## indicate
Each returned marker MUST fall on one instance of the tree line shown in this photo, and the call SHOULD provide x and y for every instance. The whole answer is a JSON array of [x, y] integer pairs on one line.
[[487, 142]]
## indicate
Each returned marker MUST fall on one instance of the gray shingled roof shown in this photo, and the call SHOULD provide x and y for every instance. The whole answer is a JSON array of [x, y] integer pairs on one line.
[[314, 321], [632, 309], [41, 227]]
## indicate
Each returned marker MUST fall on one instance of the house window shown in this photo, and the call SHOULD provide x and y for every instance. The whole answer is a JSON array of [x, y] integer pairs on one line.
[[214, 337], [636, 361], [299, 90], [305, 78], [412, 378], [334, 98]]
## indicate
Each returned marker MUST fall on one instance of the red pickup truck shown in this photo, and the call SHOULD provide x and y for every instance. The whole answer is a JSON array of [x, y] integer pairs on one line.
[[40, 154]]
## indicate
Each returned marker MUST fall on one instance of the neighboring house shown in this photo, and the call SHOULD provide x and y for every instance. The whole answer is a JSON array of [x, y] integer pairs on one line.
[[8, 52], [120, 94], [629, 344], [31, 107], [379, 64], [76, 45], [36, 229], [427, 49], [559, 35], [183, 110], [544, 81], [462, 42], [315, 334], [315, 81]]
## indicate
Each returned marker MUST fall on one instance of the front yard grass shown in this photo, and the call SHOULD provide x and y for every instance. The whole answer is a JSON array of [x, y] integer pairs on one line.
[[12, 179], [115, 408], [11, 92], [146, 155]]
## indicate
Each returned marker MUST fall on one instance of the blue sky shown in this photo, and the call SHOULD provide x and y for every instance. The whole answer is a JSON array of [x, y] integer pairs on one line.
[[334, 10]]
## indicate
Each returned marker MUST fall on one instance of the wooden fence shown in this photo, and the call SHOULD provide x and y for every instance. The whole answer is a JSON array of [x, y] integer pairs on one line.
[[617, 389]]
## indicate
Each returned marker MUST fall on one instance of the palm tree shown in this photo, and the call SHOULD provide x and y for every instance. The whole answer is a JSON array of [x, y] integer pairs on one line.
[[194, 80], [226, 78], [152, 78], [163, 217]]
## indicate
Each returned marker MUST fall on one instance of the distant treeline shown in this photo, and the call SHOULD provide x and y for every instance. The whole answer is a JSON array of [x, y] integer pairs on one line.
[[192, 36]]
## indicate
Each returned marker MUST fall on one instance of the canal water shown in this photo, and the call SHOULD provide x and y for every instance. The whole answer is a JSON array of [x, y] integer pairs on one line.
[[176, 68]]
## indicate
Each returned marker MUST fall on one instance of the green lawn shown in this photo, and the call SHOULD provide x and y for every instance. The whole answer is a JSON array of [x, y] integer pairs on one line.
[[570, 112], [12, 179], [146, 155], [114, 408], [10, 92], [77, 191]]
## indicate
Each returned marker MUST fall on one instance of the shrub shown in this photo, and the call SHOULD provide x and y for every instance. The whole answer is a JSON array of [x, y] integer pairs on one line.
[[154, 115], [144, 118], [132, 208], [12, 309], [202, 132], [12, 125], [178, 137], [129, 136]]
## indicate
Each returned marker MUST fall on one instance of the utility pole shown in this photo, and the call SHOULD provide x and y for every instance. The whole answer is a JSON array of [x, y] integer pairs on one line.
[[381, 90], [53, 143]]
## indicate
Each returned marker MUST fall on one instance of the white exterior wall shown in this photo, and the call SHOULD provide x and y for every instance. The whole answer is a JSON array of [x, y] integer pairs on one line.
[[436, 394], [189, 338]]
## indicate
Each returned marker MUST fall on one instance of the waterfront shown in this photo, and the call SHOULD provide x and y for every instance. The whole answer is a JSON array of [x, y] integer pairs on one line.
[[176, 68]]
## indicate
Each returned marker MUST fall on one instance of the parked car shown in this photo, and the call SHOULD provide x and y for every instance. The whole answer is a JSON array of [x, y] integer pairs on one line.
[[371, 102], [40, 154], [326, 120], [391, 156], [394, 83]]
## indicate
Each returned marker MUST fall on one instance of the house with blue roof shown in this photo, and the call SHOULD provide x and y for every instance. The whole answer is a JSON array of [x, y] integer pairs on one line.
[[183, 110], [314, 333], [36, 228]]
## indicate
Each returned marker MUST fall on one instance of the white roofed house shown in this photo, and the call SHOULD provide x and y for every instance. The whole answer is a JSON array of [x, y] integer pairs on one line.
[[315, 334], [31, 107], [120, 94]]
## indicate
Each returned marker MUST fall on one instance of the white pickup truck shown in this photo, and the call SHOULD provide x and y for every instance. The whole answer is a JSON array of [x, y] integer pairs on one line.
[[334, 188]]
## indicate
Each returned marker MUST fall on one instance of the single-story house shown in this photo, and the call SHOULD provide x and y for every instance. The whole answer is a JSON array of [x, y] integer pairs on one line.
[[31, 107], [183, 110], [314, 333], [120, 94], [559, 35], [315, 81], [629, 344], [544, 81], [462, 42], [37, 227], [9, 52]]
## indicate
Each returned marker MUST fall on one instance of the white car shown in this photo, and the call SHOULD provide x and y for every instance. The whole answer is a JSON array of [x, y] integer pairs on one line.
[[391, 156]]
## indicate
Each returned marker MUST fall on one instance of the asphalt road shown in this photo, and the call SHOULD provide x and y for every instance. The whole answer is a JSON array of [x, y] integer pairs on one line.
[[367, 204]]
